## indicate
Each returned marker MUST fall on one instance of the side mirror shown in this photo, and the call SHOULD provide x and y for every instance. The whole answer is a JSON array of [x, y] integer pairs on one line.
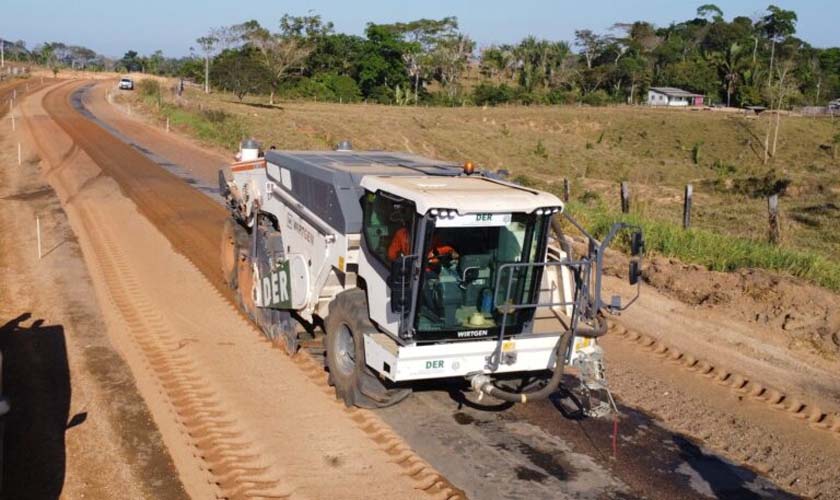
[[399, 282], [635, 271], [637, 244]]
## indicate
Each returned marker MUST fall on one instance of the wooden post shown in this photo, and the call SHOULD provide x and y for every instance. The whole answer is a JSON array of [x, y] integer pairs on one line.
[[566, 193], [167, 124], [773, 209], [689, 193], [625, 198], [13, 122], [38, 232]]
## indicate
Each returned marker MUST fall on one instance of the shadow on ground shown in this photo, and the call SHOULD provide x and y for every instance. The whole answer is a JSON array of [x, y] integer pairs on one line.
[[36, 379]]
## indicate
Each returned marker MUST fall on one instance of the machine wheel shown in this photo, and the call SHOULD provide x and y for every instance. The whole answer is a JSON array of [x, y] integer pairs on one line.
[[354, 382], [278, 326], [232, 236]]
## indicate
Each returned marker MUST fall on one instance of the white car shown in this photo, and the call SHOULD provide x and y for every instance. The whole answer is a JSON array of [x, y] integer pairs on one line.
[[126, 84]]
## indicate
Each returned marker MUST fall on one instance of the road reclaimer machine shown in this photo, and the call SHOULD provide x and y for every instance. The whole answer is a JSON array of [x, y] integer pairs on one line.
[[417, 269]]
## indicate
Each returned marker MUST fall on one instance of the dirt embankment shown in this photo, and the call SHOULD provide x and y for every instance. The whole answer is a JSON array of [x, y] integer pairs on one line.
[[78, 425], [805, 317]]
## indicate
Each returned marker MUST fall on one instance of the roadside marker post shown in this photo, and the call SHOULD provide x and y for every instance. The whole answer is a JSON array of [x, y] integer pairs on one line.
[[167, 124], [689, 193], [19, 156], [38, 232], [566, 190], [13, 122]]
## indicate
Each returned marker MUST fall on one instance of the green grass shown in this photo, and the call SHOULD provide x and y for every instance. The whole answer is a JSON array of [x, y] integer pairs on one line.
[[656, 151], [716, 251], [213, 126]]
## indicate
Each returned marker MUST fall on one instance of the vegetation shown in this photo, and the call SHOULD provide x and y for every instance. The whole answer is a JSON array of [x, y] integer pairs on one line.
[[716, 251], [740, 62]]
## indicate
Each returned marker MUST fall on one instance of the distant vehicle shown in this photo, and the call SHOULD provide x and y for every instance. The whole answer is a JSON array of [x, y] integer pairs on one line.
[[126, 84], [834, 105]]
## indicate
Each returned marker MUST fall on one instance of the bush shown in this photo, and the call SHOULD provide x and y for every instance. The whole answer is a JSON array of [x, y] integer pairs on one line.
[[210, 125], [487, 94], [720, 252], [148, 87], [596, 98]]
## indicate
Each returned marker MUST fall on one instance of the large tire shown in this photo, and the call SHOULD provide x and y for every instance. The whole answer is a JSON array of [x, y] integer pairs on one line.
[[354, 382], [232, 237], [277, 325]]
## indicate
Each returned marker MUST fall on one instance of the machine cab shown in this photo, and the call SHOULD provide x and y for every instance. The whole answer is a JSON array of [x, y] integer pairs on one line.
[[451, 263]]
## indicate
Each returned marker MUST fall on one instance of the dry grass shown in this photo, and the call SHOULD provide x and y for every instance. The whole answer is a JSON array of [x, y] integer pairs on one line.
[[658, 151]]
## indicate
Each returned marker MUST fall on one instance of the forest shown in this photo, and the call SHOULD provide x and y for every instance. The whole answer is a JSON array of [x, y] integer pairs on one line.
[[740, 61]]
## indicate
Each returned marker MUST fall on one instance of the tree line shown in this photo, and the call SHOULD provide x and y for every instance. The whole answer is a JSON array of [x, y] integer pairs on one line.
[[742, 61]]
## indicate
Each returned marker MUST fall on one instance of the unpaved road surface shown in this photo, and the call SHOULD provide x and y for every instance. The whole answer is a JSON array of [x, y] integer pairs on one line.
[[240, 418]]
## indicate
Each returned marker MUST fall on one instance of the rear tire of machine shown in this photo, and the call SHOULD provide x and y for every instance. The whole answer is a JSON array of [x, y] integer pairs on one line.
[[354, 382]]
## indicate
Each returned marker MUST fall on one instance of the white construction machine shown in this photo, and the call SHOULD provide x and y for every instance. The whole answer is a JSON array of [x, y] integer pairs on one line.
[[416, 269]]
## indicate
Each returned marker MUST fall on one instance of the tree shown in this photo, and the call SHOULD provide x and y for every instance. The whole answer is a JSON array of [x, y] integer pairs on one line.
[[381, 65], [777, 25], [287, 49], [705, 10], [240, 71], [208, 45], [729, 64], [591, 45], [449, 60], [427, 40]]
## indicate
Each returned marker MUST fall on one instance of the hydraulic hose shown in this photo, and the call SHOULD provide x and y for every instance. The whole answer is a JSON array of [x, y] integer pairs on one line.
[[560, 349], [599, 330]]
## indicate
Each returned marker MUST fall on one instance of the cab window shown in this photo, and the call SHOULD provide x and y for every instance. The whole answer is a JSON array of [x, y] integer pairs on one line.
[[389, 223]]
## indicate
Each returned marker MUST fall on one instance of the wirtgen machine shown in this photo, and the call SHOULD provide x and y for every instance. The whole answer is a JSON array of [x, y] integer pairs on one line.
[[417, 269]]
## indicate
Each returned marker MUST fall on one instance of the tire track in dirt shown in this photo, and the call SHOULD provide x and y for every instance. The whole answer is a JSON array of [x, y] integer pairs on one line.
[[230, 458], [809, 414]]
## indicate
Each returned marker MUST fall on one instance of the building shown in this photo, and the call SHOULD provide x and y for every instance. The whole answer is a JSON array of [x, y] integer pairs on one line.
[[670, 96]]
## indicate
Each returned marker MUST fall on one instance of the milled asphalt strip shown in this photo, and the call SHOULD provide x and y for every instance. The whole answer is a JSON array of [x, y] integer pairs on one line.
[[77, 100]]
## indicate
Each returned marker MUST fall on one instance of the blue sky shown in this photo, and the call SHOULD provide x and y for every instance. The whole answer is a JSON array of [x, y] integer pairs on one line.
[[115, 26]]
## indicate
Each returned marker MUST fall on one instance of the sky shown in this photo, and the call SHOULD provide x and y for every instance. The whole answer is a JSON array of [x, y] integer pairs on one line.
[[112, 27]]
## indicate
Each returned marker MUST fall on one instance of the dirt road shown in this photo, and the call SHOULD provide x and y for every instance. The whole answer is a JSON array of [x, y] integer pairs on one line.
[[271, 430], [239, 418]]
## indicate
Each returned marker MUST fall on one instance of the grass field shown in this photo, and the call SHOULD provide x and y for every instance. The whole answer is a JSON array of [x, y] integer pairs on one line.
[[657, 151]]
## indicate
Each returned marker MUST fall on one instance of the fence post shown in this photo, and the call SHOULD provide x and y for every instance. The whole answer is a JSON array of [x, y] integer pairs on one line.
[[625, 198], [38, 233], [566, 193], [689, 193], [773, 209]]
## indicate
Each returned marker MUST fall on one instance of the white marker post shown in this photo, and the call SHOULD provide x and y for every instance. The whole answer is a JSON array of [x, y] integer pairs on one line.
[[19, 157], [13, 122], [167, 124], [38, 232]]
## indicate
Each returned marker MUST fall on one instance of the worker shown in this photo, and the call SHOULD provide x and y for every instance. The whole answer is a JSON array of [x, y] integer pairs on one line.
[[438, 252], [399, 244]]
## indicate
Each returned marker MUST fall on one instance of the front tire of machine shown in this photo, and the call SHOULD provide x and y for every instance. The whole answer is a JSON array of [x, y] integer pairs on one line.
[[354, 382]]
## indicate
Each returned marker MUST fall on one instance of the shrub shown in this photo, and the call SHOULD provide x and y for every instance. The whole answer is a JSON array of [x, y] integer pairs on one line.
[[596, 98], [486, 93], [148, 87]]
